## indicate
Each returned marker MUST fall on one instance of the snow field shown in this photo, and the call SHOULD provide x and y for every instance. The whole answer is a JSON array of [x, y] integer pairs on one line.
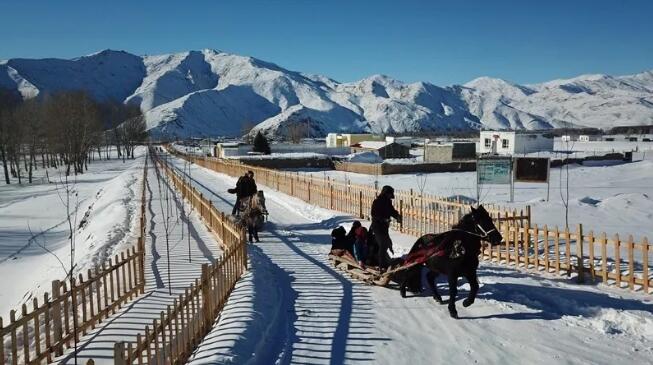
[[33, 221], [328, 318], [612, 199]]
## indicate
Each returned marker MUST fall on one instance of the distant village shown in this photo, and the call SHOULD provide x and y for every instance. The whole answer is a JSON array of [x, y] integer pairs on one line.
[[378, 154]]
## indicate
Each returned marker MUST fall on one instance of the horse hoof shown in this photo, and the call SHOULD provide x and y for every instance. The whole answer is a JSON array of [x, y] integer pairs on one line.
[[403, 293], [453, 314], [439, 300], [467, 302]]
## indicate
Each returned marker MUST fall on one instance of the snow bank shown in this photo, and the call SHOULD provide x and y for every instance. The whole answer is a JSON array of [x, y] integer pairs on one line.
[[364, 157]]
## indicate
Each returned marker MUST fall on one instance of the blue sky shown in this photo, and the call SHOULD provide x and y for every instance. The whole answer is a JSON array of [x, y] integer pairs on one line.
[[443, 42]]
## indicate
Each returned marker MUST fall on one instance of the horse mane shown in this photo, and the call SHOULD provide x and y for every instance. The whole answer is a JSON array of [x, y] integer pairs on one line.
[[466, 222]]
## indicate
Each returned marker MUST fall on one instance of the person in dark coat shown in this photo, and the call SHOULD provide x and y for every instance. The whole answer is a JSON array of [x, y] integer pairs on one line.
[[382, 211], [340, 246], [241, 191], [351, 235], [252, 189]]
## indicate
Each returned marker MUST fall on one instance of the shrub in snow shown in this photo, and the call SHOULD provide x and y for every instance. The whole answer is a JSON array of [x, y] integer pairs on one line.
[[261, 144]]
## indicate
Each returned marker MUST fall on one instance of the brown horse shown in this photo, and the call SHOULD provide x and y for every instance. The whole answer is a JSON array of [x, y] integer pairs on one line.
[[252, 214]]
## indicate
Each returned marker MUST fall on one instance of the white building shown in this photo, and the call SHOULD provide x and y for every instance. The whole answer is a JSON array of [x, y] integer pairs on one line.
[[588, 138], [231, 149], [511, 142], [349, 139]]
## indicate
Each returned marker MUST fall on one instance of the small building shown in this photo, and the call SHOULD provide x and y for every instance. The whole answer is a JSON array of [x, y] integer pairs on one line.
[[349, 139], [231, 149], [383, 149], [206, 147], [406, 141], [448, 152], [513, 142], [588, 138], [565, 138], [309, 148]]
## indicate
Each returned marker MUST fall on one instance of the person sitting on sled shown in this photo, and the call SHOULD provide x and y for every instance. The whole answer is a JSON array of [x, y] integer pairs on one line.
[[351, 235], [340, 246], [360, 246]]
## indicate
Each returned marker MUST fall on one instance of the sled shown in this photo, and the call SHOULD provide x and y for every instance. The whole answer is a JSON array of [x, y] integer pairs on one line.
[[369, 275]]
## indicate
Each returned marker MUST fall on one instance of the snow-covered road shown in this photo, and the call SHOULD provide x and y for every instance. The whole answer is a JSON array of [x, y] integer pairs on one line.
[[294, 308]]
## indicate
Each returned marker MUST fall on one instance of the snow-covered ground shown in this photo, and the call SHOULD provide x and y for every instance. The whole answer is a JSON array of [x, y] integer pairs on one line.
[[170, 267], [611, 199], [33, 222], [293, 307]]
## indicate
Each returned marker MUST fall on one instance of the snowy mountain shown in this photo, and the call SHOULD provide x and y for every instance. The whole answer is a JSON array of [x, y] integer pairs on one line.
[[211, 93]]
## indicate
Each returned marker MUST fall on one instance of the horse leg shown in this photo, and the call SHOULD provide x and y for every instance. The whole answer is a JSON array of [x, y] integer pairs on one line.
[[430, 278], [453, 292], [472, 279], [402, 287], [407, 276]]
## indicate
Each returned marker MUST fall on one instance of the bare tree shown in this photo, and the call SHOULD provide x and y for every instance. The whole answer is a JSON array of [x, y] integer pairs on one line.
[[8, 102], [113, 115], [74, 126], [29, 117], [564, 191], [134, 131]]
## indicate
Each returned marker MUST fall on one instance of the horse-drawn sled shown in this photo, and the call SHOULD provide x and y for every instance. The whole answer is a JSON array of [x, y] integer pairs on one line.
[[367, 274], [454, 253]]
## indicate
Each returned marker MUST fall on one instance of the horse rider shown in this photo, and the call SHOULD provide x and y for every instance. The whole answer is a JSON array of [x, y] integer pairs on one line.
[[382, 211], [252, 189], [241, 190]]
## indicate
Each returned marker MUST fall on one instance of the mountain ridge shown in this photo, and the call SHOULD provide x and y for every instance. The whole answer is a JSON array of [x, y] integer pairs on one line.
[[211, 93]]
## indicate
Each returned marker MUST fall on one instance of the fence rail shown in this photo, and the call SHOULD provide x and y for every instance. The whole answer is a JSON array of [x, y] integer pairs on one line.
[[614, 261], [74, 306], [422, 213], [172, 338]]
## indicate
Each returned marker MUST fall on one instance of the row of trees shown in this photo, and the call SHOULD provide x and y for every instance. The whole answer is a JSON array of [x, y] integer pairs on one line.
[[64, 130]]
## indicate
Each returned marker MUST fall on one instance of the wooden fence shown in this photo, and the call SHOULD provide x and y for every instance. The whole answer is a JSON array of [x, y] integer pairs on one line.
[[75, 306], [172, 338], [422, 213], [614, 261]]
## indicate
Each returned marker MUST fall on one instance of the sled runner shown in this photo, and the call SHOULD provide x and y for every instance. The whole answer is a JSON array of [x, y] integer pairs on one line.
[[370, 275], [426, 247]]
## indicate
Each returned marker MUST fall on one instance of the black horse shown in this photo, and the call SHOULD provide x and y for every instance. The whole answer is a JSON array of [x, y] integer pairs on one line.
[[454, 253]]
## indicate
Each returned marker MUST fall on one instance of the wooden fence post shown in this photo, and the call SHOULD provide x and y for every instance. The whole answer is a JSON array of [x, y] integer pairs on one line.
[[331, 196], [119, 353], [360, 204], [57, 324], [401, 214], [309, 189], [206, 297], [645, 250], [579, 253]]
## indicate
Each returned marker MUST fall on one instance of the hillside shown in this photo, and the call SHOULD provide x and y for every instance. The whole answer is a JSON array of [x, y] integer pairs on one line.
[[211, 93]]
